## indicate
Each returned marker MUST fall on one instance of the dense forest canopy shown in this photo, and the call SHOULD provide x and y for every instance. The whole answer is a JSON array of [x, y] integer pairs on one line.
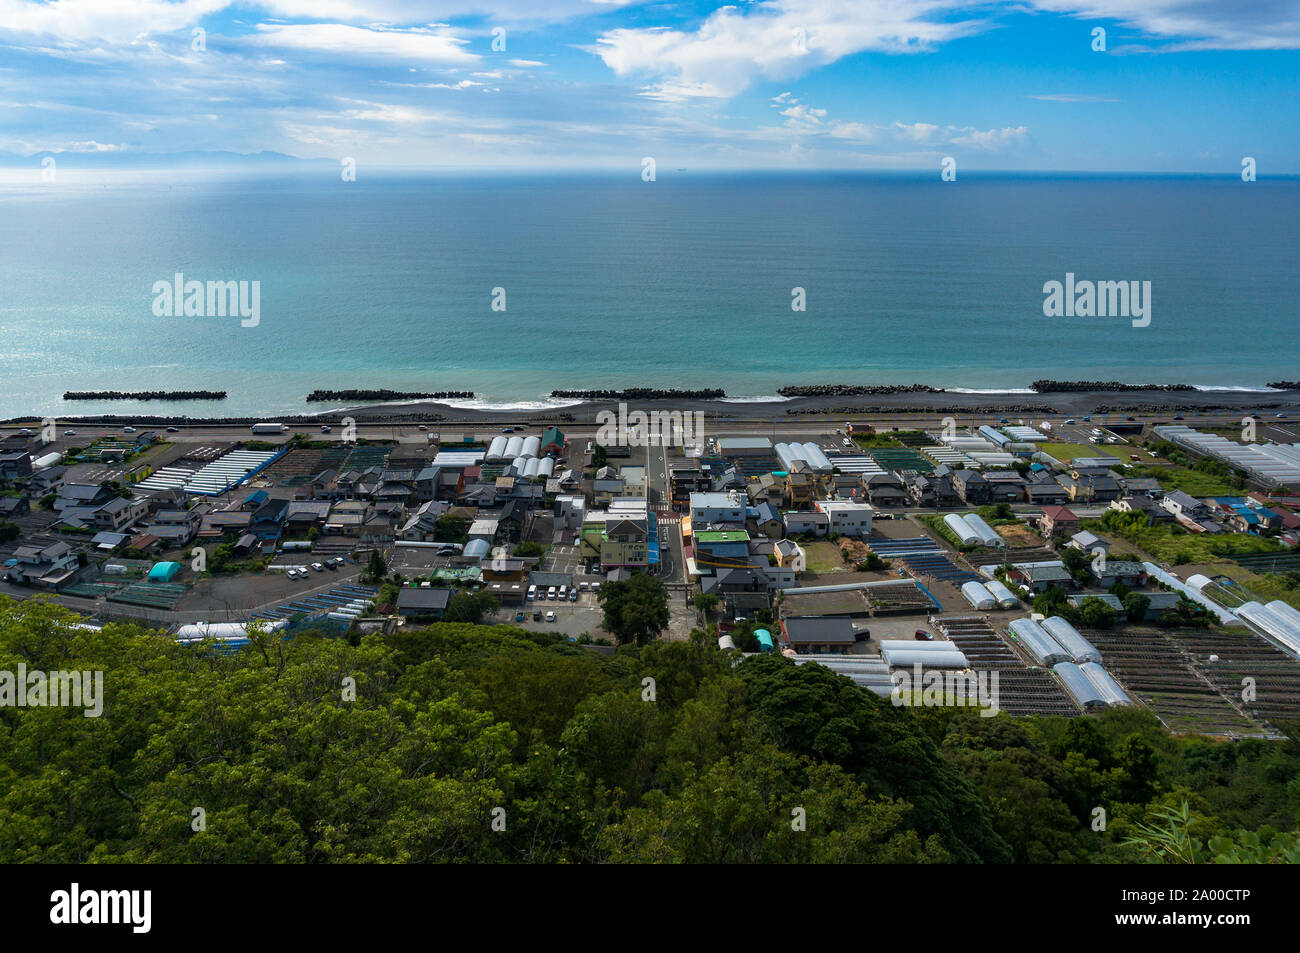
[[475, 743]]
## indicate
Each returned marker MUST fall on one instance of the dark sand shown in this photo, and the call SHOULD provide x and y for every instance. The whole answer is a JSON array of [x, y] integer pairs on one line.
[[1143, 403]]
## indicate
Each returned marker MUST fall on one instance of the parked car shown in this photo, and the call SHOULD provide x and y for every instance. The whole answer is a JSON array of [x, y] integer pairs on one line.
[[532, 593], [921, 635], [550, 592], [537, 615], [318, 567], [550, 617], [573, 595]]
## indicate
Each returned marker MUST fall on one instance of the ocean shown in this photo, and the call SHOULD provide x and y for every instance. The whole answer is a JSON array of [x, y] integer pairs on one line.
[[613, 282]]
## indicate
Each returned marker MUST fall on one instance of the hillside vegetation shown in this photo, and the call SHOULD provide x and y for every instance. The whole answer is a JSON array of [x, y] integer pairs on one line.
[[489, 744]]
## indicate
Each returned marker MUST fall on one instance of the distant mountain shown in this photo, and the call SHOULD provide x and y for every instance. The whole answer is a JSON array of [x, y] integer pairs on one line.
[[158, 160]]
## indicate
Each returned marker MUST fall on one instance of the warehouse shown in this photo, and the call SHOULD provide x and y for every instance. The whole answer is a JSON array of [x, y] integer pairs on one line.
[[744, 446]]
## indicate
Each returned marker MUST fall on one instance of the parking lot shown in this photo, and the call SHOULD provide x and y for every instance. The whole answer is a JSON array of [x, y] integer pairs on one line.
[[571, 619], [563, 557]]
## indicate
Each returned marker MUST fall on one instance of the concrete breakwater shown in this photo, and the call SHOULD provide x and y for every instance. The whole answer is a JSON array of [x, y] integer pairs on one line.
[[640, 393], [901, 409], [856, 390], [1064, 387], [317, 396], [144, 395]]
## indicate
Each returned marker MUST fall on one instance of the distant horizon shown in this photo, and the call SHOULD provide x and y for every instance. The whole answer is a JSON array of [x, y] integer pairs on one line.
[[268, 162]]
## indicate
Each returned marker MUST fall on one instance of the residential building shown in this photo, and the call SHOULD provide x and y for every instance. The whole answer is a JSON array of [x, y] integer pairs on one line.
[[45, 567], [818, 635], [846, 518]]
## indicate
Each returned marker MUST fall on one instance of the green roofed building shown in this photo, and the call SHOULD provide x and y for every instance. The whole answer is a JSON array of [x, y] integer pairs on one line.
[[553, 441], [164, 572], [722, 536]]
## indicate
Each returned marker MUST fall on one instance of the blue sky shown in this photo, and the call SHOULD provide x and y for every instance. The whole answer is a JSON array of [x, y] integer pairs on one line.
[[1182, 86]]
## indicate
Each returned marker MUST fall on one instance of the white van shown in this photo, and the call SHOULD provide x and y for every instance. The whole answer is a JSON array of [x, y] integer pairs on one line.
[[550, 592], [532, 593], [563, 593]]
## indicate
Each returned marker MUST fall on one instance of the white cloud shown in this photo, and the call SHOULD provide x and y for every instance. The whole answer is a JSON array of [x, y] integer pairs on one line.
[[1198, 24], [337, 39], [775, 39], [991, 140], [907, 137], [1071, 98], [91, 145], [103, 21]]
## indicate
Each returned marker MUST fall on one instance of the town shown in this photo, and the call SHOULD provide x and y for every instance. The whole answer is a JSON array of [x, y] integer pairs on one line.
[[1085, 563]]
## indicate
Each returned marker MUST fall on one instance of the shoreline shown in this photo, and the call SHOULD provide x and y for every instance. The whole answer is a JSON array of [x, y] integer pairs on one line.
[[919, 403]]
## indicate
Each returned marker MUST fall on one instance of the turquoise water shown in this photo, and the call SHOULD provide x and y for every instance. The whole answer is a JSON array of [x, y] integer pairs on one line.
[[609, 282]]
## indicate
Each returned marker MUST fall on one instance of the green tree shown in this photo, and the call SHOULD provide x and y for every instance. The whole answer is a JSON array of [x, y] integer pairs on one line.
[[471, 607], [451, 528], [1136, 605], [707, 603], [636, 609]]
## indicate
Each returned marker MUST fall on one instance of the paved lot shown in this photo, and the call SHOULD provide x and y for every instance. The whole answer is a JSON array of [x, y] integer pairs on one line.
[[563, 557], [571, 619], [234, 593]]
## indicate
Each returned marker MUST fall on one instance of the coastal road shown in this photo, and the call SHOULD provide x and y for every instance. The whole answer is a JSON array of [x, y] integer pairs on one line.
[[813, 426]]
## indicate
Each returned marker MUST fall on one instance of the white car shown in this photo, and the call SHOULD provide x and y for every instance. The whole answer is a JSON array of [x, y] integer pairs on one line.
[[550, 617], [128, 430], [318, 567]]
